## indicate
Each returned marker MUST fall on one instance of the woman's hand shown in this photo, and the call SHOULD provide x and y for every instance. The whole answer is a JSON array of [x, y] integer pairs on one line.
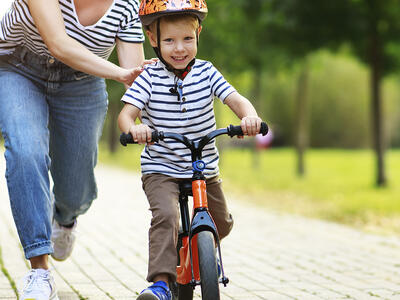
[[129, 75]]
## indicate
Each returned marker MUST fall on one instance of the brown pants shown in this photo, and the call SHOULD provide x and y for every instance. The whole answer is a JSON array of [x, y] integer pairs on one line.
[[162, 192]]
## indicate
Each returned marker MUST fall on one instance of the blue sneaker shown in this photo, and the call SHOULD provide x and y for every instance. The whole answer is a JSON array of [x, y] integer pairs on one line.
[[158, 291]]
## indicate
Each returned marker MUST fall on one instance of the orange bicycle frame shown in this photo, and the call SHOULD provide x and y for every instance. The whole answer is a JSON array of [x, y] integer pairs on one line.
[[188, 269]]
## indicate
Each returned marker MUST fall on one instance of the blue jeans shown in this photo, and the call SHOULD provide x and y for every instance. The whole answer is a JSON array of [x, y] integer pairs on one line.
[[51, 118]]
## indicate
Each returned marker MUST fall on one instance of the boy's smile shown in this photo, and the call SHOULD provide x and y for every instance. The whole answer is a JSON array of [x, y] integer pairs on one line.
[[178, 43]]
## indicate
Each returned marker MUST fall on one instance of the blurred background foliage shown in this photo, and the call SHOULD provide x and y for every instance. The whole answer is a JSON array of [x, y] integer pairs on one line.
[[261, 47], [325, 75]]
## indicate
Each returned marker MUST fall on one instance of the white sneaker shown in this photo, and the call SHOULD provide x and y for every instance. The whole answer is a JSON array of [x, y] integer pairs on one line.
[[63, 239], [38, 284]]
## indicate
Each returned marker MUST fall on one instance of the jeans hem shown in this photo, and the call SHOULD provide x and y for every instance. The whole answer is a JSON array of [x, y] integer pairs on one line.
[[38, 249]]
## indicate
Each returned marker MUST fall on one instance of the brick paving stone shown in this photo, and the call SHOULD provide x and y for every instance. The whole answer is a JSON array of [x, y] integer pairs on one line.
[[64, 290], [385, 294], [300, 294], [267, 256], [6, 292], [270, 295]]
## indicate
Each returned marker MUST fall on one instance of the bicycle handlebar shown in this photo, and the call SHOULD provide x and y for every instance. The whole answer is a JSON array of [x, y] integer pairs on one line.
[[231, 130], [237, 130]]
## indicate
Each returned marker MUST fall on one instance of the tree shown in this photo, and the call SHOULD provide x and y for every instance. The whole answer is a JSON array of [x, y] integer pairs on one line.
[[115, 92], [235, 29], [370, 27]]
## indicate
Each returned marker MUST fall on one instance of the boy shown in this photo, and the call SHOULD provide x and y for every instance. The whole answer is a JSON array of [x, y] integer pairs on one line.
[[176, 95]]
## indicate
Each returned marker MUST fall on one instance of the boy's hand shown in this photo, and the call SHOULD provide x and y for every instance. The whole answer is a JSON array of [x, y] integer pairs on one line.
[[251, 125], [141, 133]]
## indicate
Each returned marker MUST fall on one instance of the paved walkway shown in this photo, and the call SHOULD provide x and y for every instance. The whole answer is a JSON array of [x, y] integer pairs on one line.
[[267, 256]]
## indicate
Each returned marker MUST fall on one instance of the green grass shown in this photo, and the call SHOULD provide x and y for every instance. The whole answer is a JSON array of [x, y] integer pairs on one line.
[[126, 157], [338, 184], [7, 275]]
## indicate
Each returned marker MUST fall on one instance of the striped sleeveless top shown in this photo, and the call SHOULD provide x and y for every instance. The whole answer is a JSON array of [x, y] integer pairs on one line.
[[121, 21]]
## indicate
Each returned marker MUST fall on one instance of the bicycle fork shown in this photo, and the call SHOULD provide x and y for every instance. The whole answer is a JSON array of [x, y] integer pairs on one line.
[[188, 269]]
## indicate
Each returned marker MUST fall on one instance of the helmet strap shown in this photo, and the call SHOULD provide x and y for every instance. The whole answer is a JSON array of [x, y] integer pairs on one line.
[[181, 73]]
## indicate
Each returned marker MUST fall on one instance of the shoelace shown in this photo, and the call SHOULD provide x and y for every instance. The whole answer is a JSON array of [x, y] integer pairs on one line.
[[33, 278], [161, 291]]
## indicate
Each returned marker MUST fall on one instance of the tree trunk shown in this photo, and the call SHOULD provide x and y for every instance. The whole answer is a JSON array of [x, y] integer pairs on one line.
[[378, 136], [376, 62], [112, 132], [301, 130], [258, 104]]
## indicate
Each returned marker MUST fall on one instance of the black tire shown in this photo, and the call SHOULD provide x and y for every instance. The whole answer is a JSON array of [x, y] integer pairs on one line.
[[208, 266], [185, 292], [181, 291]]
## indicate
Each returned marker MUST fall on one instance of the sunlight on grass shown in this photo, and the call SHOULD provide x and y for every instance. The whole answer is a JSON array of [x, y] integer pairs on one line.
[[126, 157], [338, 185]]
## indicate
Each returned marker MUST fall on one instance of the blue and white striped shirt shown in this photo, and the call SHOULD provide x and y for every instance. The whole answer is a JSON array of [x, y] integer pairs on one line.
[[192, 115], [120, 21]]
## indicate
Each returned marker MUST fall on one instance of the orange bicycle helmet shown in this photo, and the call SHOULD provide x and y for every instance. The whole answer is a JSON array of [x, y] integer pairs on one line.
[[150, 10], [153, 10]]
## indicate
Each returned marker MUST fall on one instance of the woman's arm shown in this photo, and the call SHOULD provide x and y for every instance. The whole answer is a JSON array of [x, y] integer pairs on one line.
[[130, 55], [50, 24], [250, 122]]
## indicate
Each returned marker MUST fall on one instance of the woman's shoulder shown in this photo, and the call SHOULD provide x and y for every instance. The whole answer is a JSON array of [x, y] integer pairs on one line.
[[129, 5]]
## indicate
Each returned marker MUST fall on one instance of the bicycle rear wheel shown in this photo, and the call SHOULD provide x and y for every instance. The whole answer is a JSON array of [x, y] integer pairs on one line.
[[208, 266]]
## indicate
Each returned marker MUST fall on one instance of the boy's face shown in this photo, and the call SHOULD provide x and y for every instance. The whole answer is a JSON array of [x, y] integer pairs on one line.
[[177, 41]]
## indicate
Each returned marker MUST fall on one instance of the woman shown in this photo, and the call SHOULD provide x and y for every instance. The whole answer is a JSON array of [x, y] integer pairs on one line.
[[53, 103]]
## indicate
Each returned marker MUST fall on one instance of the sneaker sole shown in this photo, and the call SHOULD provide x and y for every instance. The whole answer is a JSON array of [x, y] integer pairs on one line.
[[53, 298], [58, 259], [147, 296]]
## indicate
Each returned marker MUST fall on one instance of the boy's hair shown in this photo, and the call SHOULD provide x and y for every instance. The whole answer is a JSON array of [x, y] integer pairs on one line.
[[192, 19]]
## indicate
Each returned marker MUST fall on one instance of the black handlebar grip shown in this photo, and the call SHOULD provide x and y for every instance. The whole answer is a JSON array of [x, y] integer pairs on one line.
[[126, 138], [237, 130], [264, 128], [156, 136]]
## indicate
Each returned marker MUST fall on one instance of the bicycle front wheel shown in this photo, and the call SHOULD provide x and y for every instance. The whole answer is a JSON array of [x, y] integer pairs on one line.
[[208, 266], [185, 292]]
